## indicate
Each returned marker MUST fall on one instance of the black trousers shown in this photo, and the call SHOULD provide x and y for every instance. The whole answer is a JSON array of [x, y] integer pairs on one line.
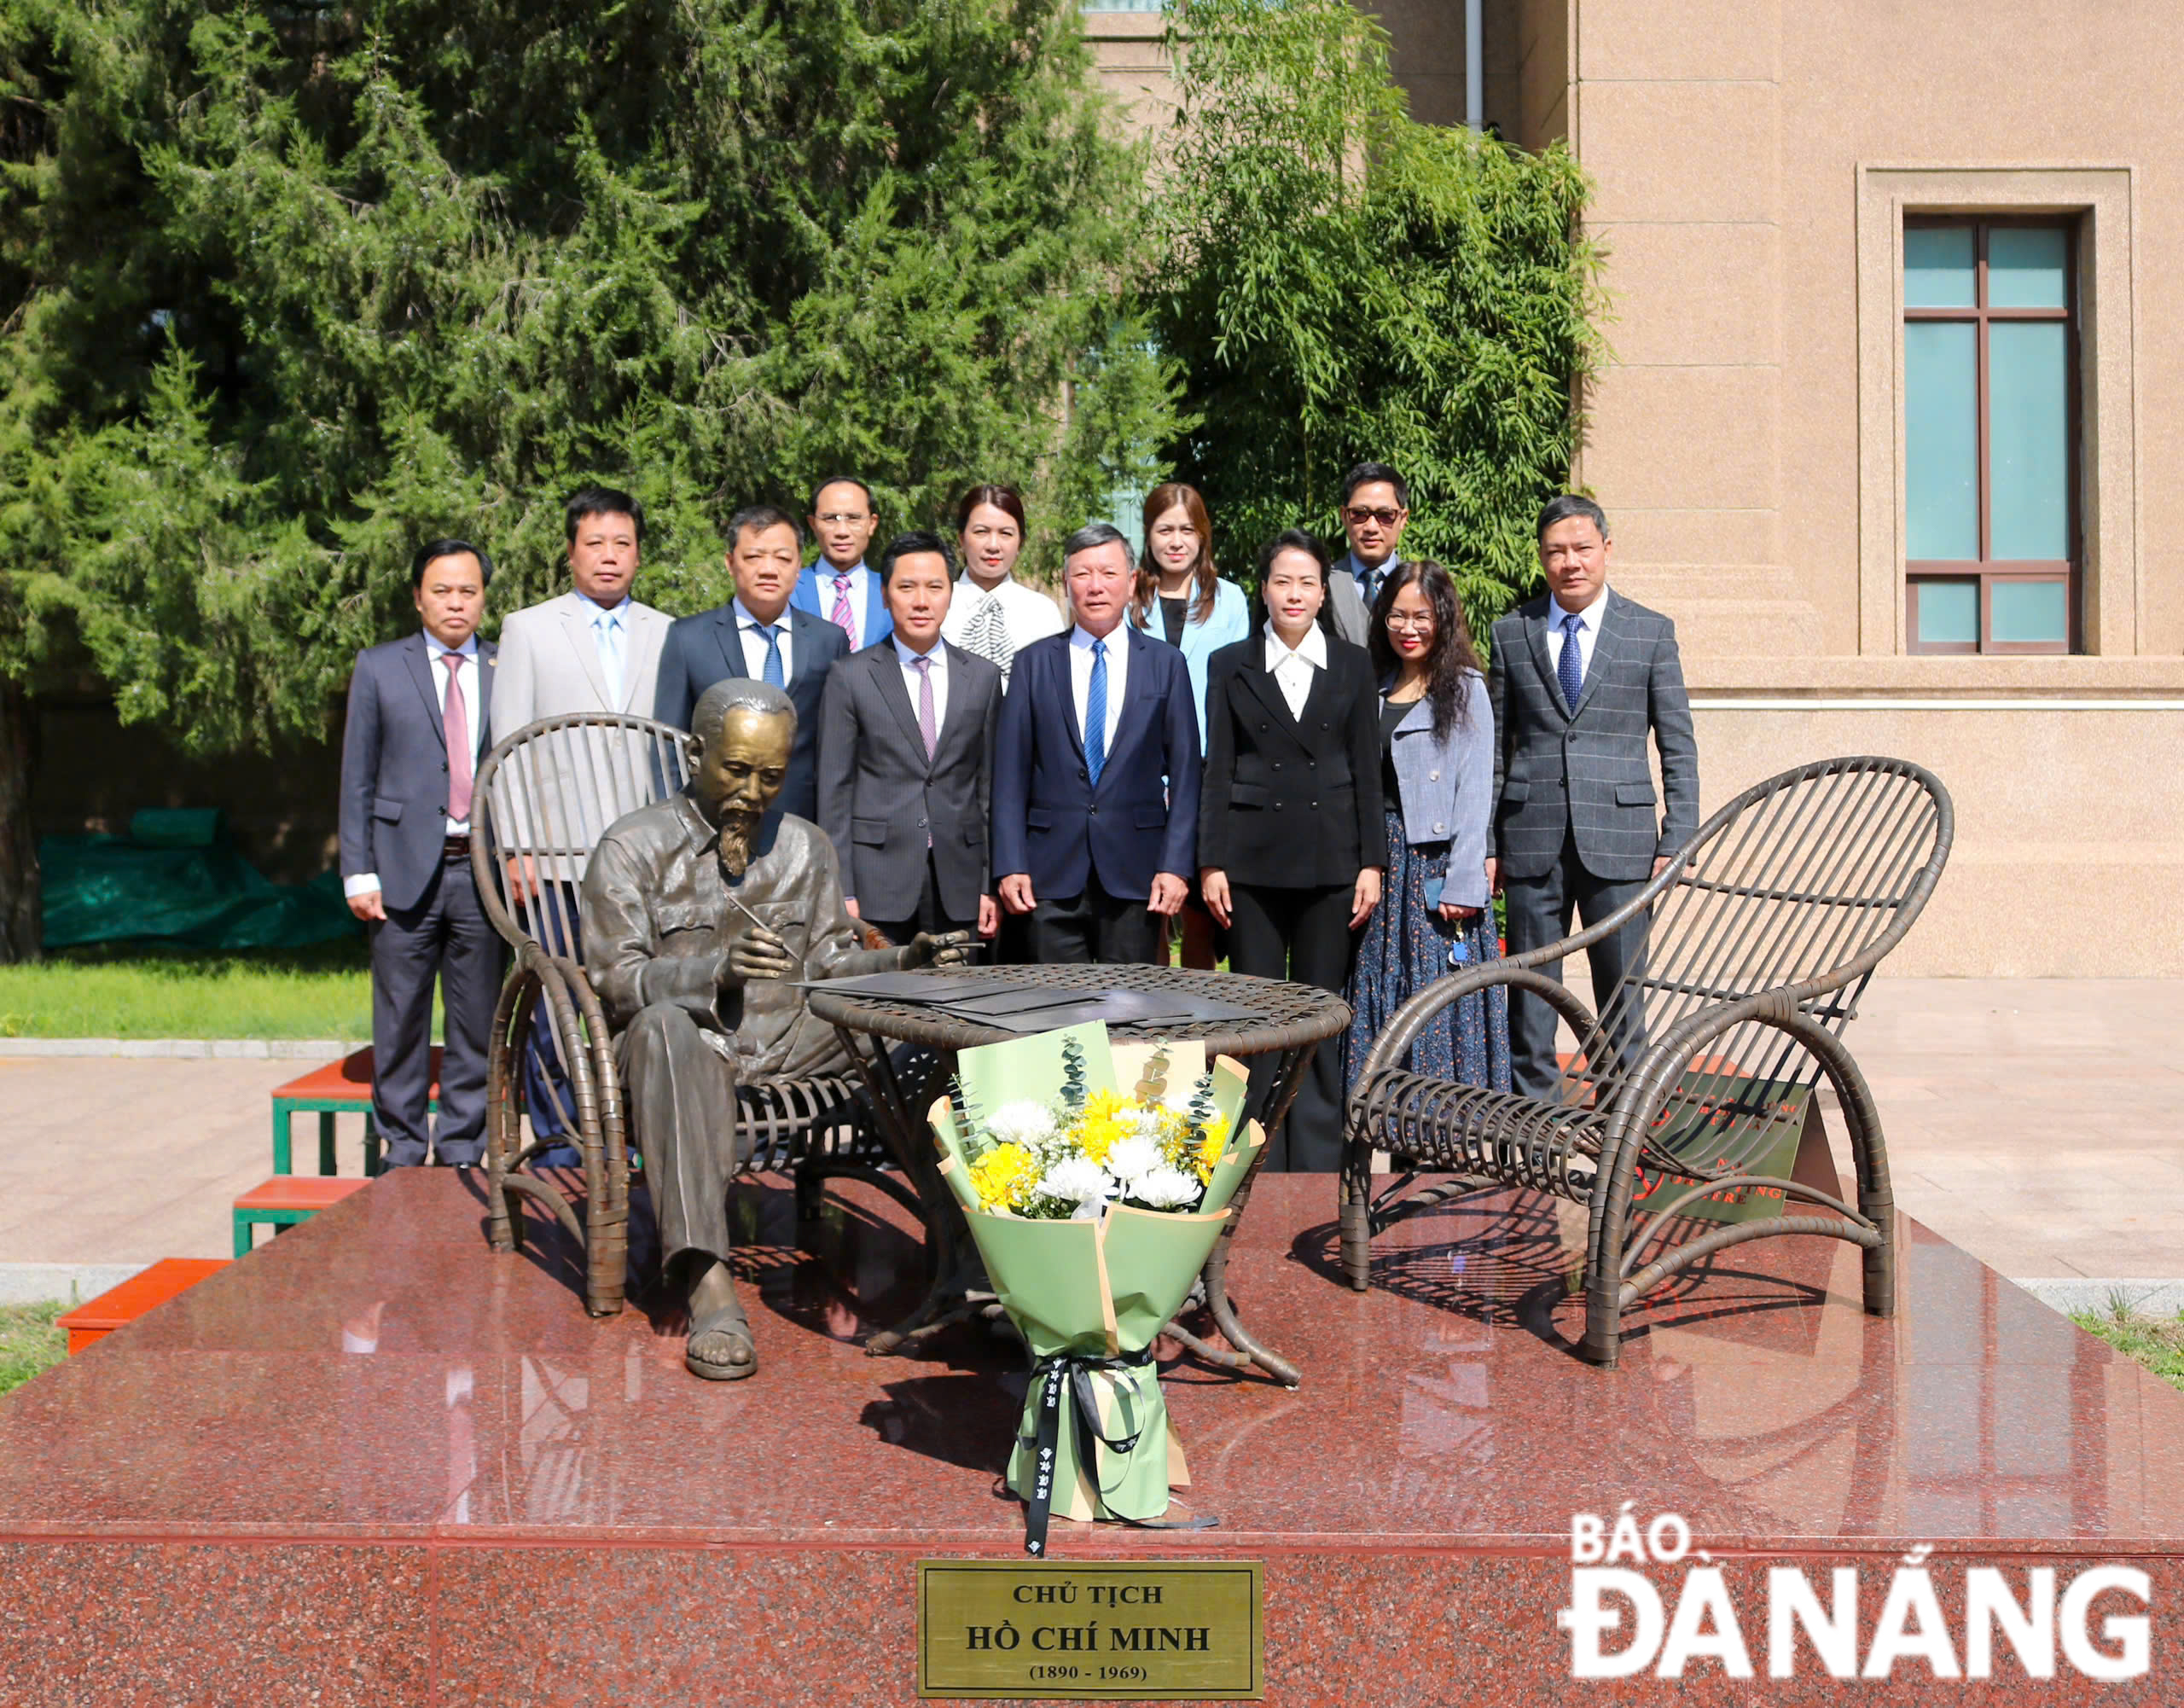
[[1539, 913], [930, 916], [1303, 935], [446, 937], [1096, 926]]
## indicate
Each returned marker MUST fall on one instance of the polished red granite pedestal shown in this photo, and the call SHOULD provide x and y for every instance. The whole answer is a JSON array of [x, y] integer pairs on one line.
[[376, 1463]]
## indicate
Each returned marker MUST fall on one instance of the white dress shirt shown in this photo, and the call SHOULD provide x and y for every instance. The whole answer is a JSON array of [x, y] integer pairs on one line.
[[1026, 615], [754, 644], [939, 657], [862, 580], [1293, 671], [610, 635], [1080, 678], [1588, 631], [466, 685]]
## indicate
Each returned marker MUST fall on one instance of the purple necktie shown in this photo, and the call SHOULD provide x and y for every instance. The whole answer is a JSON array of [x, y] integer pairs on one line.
[[928, 726], [844, 617], [456, 717]]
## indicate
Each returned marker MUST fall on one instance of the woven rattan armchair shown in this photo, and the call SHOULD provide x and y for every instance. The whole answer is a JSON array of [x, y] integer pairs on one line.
[[544, 798], [1764, 935]]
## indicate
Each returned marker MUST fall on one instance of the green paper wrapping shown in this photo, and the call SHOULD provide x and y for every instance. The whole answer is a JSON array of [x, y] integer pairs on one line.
[[1098, 1290], [1095, 1289]]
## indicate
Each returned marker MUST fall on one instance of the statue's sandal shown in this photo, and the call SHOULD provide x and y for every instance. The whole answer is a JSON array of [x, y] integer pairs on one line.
[[732, 1323]]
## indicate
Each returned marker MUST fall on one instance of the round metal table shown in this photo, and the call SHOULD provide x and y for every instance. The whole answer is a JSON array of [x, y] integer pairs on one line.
[[1287, 1019]]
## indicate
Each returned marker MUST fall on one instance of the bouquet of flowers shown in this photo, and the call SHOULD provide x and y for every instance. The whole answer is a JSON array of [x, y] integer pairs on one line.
[[1095, 1208]]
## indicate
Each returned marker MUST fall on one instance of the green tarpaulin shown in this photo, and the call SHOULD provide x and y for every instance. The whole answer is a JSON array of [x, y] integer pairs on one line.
[[178, 878]]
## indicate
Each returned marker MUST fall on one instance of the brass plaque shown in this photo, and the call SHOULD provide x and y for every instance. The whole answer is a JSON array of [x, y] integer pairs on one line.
[[1115, 1631]]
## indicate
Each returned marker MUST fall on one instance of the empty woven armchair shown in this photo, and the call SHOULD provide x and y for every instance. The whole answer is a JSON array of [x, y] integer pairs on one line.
[[545, 796], [1690, 1086]]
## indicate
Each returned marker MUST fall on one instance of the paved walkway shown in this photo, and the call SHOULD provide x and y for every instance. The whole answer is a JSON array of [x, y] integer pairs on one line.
[[2033, 1122]]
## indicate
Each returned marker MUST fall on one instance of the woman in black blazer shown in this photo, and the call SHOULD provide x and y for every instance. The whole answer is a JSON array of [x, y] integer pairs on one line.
[[1291, 838]]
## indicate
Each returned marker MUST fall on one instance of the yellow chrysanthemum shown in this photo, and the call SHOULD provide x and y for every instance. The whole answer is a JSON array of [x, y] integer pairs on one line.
[[1004, 1177], [1210, 1147], [1103, 1122]]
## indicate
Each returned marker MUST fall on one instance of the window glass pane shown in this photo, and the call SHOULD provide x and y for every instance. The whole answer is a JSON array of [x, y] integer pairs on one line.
[[1941, 373], [2025, 266], [2027, 413], [1949, 613], [1938, 269], [2027, 611]]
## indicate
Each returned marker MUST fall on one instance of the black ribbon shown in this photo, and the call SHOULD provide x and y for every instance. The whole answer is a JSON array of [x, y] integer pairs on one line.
[[1070, 1370]]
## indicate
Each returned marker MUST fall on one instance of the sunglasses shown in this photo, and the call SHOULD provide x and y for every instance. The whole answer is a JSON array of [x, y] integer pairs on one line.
[[1359, 515]]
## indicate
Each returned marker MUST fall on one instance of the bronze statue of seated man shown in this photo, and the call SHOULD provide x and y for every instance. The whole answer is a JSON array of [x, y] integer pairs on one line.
[[698, 911]]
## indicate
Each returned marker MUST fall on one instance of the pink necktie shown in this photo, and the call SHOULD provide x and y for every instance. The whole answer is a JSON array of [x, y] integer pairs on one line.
[[844, 617], [457, 718]]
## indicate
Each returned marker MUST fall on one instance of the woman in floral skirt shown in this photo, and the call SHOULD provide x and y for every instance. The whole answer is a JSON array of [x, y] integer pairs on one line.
[[1436, 744]]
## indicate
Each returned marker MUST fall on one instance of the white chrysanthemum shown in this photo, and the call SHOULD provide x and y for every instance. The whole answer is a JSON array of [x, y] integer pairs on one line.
[[1165, 1188], [1079, 1181], [1021, 1124], [1133, 1157]]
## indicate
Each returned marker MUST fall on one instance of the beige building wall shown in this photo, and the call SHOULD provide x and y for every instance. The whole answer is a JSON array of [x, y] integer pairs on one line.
[[1754, 161]]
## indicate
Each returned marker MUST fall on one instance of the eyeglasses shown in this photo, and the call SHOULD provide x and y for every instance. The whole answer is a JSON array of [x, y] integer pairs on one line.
[[836, 518], [1359, 514], [1421, 623]]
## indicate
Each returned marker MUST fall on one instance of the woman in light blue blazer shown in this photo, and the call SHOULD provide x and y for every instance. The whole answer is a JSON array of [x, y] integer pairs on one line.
[[1437, 738], [1181, 601]]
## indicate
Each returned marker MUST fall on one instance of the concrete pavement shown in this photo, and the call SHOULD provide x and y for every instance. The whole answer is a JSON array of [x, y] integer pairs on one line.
[[2035, 1123]]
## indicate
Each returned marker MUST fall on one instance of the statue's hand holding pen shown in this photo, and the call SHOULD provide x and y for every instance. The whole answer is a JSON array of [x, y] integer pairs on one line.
[[757, 953], [948, 948]]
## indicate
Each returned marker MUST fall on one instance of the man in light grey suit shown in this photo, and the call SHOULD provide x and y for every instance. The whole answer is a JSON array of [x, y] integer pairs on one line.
[[593, 648], [418, 724], [1578, 679], [1375, 509], [905, 745]]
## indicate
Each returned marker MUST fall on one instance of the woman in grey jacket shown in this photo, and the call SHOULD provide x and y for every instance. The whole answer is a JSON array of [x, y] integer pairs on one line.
[[1437, 740]]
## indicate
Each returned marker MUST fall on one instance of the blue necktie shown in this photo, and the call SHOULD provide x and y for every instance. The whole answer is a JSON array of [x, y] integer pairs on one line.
[[1570, 668], [607, 628], [1096, 714], [772, 631]]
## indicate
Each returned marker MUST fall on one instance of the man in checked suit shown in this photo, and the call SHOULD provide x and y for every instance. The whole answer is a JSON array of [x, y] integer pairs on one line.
[[1578, 679], [756, 635], [1095, 773], [417, 728], [905, 759]]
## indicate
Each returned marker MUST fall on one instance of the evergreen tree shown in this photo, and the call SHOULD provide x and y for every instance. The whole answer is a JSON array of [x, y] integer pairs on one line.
[[290, 287], [1340, 283]]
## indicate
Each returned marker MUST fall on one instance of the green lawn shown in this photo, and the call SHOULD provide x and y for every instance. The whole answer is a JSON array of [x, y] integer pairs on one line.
[[130, 991], [29, 1343], [2156, 1343]]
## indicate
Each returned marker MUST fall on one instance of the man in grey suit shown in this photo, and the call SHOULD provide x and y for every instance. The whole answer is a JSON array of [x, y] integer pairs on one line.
[[418, 724], [905, 746], [593, 648], [756, 635], [1375, 509], [1578, 679]]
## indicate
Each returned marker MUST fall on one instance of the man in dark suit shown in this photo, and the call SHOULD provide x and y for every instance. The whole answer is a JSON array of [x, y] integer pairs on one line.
[[905, 745], [417, 729], [756, 635], [1578, 679], [1096, 774]]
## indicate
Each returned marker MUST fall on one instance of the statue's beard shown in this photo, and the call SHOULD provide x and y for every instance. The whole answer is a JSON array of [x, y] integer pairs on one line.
[[736, 829]]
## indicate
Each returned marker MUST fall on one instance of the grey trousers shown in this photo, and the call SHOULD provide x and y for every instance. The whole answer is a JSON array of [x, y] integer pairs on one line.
[[681, 1101], [1540, 909]]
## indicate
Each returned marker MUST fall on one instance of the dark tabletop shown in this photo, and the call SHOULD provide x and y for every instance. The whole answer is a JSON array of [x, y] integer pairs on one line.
[[1283, 1015]]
